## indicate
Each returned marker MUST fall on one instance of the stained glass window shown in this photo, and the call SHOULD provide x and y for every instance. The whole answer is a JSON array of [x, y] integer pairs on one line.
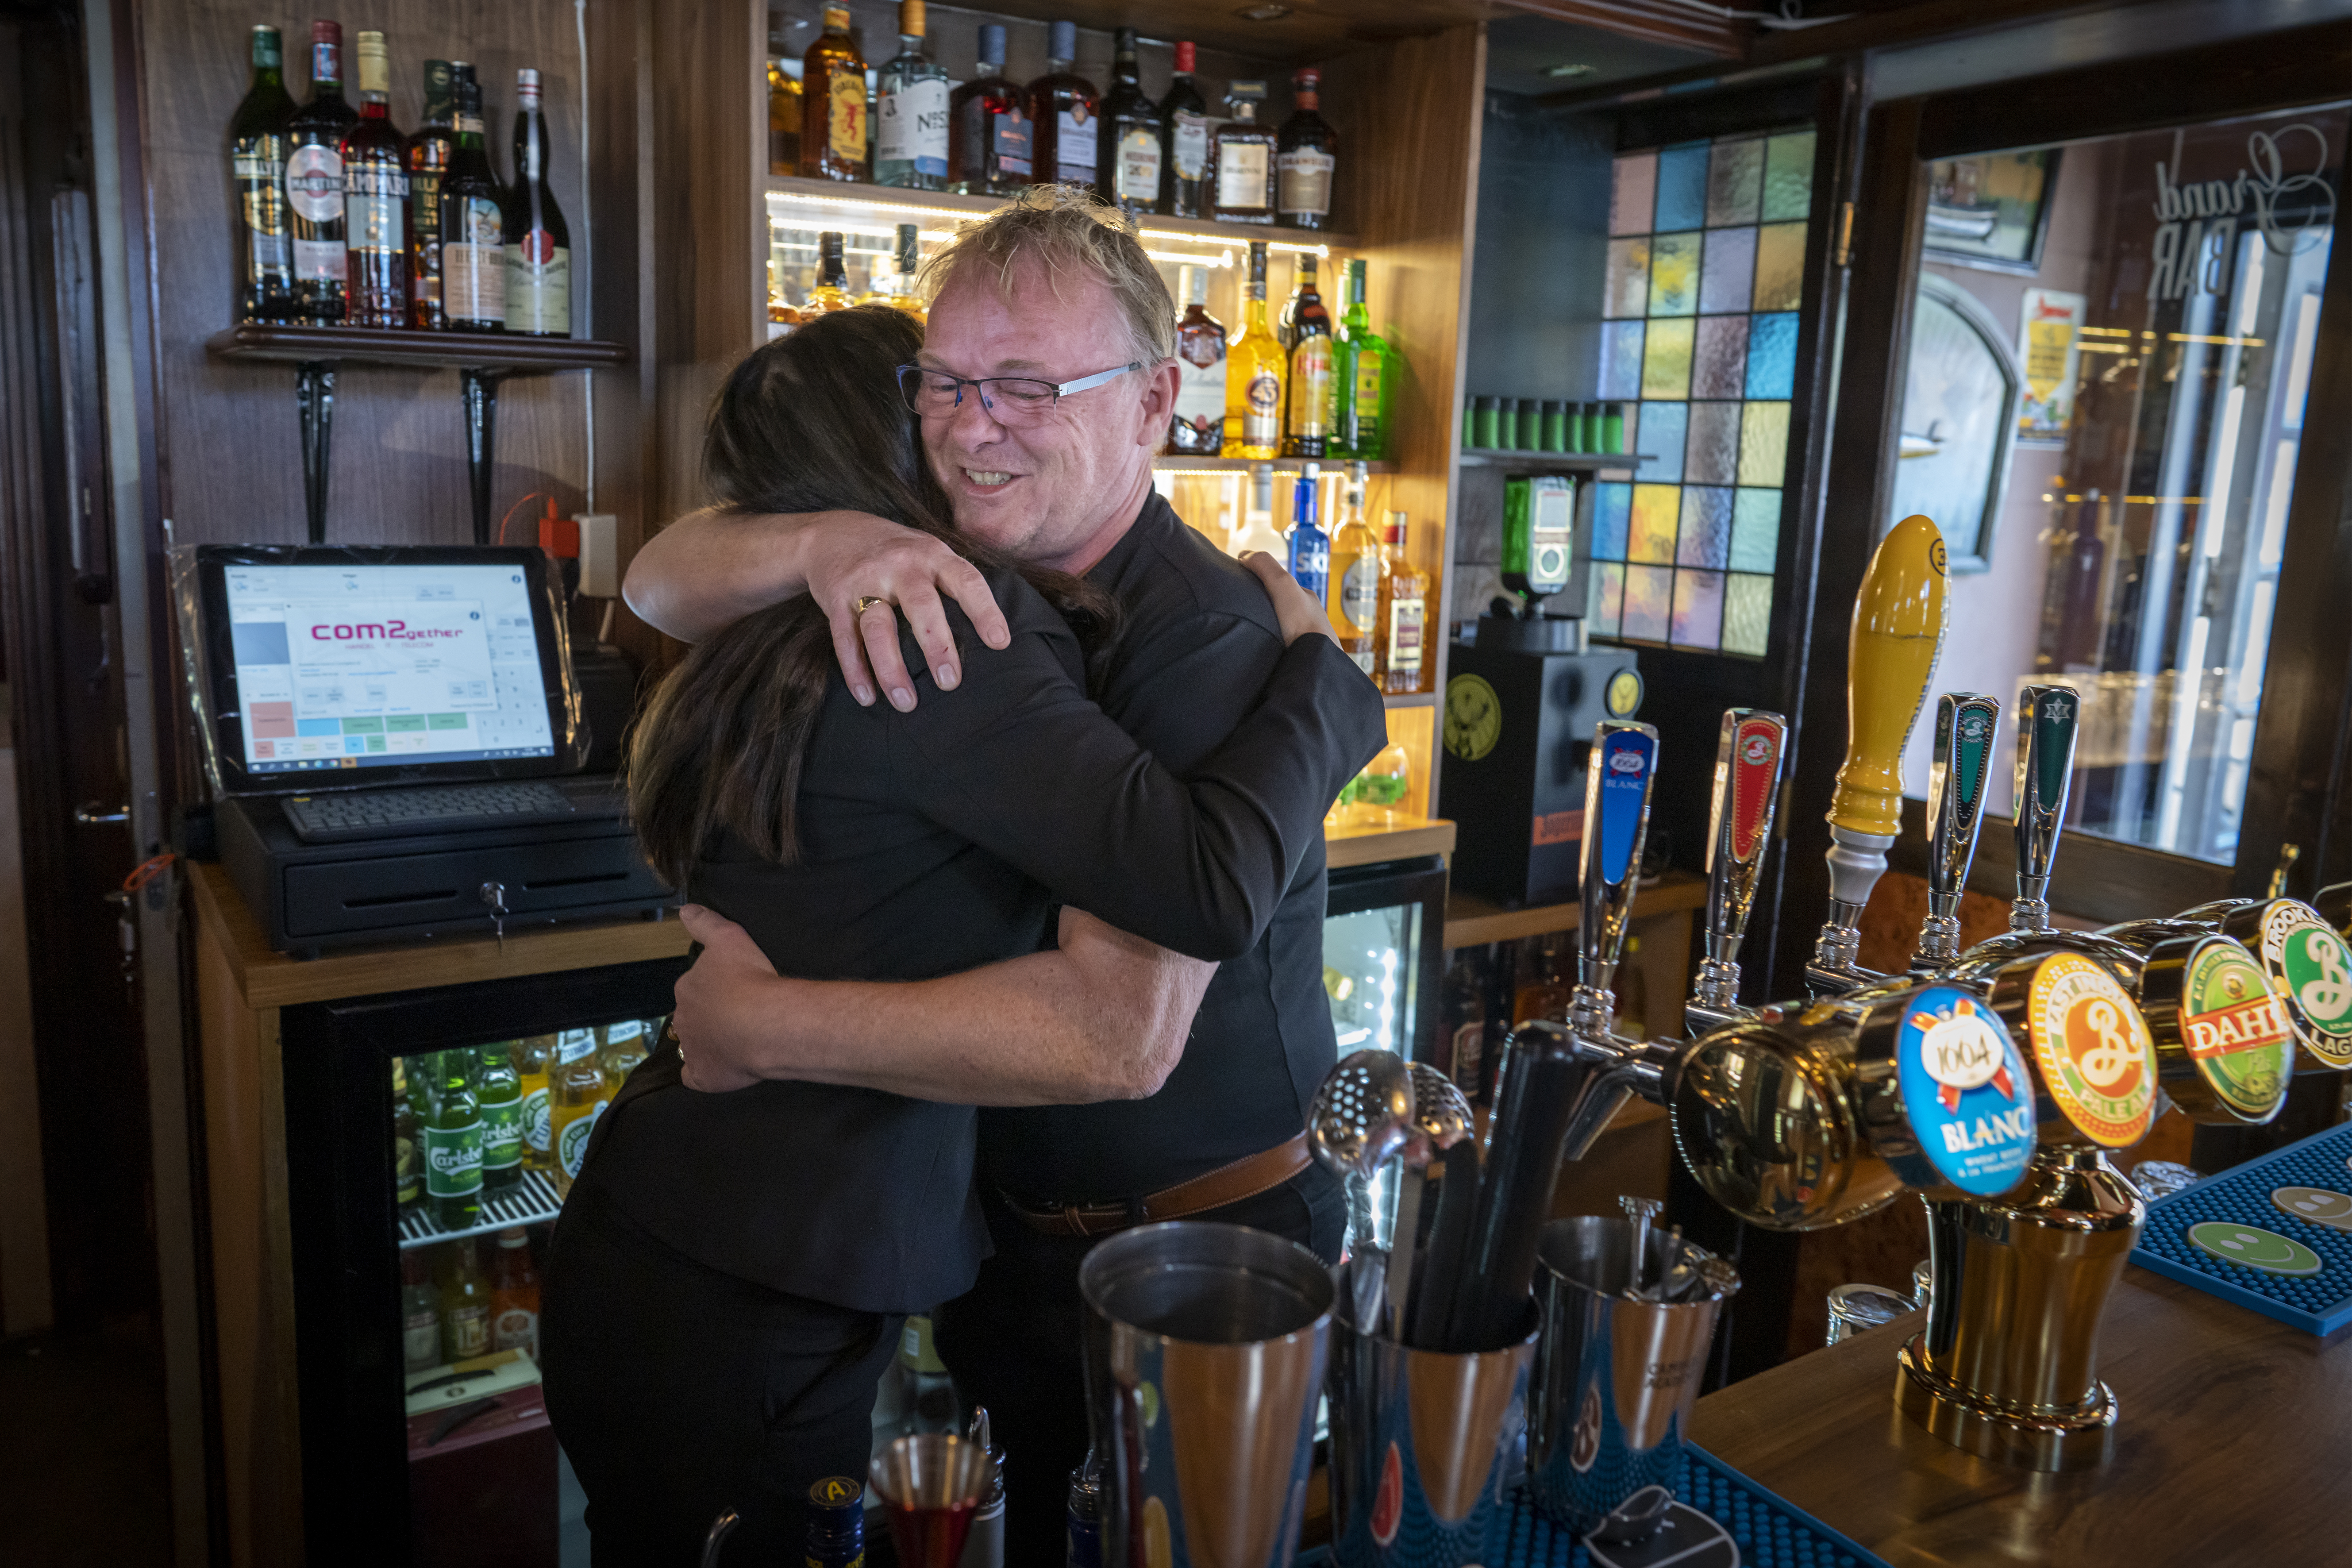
[[1704, 278]]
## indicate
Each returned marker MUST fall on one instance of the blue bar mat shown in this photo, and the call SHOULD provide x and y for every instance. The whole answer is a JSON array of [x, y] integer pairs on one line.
[[2239, 1206], [1767, 1531]]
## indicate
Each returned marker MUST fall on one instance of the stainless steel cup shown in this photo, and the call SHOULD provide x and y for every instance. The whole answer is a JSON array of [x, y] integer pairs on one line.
[[1616, 1378], [1421, 1444], [1206, 1347]]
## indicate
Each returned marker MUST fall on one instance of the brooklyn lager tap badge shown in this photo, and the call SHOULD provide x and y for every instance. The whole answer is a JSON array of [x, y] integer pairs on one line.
[[1965, 1090], [2236, 1031], [2311, 969], [2093, 1049]]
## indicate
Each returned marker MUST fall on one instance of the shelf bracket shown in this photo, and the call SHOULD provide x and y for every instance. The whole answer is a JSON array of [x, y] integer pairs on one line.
[[314, 394], [478, 390]]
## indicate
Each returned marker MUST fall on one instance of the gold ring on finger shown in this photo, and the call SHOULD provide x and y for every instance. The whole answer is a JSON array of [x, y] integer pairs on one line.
[[866, 602]]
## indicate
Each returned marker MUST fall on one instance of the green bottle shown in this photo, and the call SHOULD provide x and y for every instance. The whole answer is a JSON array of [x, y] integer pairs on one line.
[[453, 1144], [1367, 377], [502, 1131], [1538, 535]]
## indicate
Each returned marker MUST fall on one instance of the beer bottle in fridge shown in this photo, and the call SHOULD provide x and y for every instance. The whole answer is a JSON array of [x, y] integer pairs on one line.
[[531, 1055], [576, 1097], [502, 1096], [453, 1144], [626, 1042], [514, 1295], [408, 1153], [465, 1303], [420, 1313]]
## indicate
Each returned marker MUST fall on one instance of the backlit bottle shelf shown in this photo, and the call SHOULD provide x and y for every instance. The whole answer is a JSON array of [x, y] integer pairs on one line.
[[819, 204], [533, 1203], [1186, 465]]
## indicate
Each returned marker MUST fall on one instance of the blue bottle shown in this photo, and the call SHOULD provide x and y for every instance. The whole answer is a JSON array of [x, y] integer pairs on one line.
[[836, 1529], [1310, 547]]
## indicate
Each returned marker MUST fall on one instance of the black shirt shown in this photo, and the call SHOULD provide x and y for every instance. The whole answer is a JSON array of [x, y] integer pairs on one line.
[[934, 842]]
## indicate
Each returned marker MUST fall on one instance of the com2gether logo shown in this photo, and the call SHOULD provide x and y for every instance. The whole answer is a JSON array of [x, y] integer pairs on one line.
[[1965, 1090]]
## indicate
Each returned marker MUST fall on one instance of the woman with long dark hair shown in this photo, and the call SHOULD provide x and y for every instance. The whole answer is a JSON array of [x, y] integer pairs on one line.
[[730, 1271]]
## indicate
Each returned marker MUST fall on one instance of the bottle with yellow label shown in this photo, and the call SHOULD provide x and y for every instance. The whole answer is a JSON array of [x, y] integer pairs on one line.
[[577, 1095], [833, 132], [1255, 368], [1313, 405], [532, 1056], [1356, 576], [626, 1042]]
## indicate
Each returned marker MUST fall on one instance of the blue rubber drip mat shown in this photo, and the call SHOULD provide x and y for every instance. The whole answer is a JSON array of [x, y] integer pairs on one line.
[[2267, 1235]]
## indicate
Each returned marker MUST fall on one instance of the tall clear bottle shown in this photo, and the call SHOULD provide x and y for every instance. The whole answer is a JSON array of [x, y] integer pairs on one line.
[[1197, 428], [537, 240], [834, 131], [314, 182], [1401, 651], [257, 151], [375, 200], [1067, 113], [988, 127], [1184, 127], [429, 153], [1366, 379], [1129, 147], [1354, 605], [1255, 368], [910, 124], [1313, 404], [473, 253]]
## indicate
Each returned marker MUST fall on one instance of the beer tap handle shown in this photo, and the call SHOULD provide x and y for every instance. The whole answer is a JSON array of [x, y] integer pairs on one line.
[[1618, 776], [1898, 630], [1964, 722], [1739, 829], [2047, 719]]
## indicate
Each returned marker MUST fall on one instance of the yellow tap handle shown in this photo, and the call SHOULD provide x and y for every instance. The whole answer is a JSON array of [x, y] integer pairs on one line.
[[1898, 630]]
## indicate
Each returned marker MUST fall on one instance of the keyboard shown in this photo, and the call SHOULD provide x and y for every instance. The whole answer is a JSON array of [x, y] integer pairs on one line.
[[425, 808]]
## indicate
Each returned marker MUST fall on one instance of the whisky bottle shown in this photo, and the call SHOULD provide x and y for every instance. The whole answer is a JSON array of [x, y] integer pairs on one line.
[[1310, 547], [314, 181], [833, 103], [1313, 405], [910, 125], [1066, 112], [831, 291], [1367, 377], [1255, 368], [256, 145], [1197, 428], [473, 254], [375, 200], [897, 289], [1400, 651], [988, 127], [1355, 600], [1184, 144], [783, 115], [1305, 157], [1130, 173], [429, 153], [538, 242], [1242, 160]]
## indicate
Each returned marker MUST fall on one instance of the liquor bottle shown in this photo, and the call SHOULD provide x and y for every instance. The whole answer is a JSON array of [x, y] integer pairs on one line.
[[833, 103], [1258, 532], [910, 128], [1066, 112], [1313, 405], [453, 1142], [314, 181], [1129, 177], [783, 115], [626, 1044], [1084, 1508], [1400, 653], [514, 1295], [257, 149], [473, 256], [988, 127], [429, 152], [836, 1524], [1543, 991], [538, 241], [1242, 160], [407, 1155], [375, 200], [896, 287], [465, 1303], [1355, 602], [831, 291], [1184, 144], [1310, 547], [1366, 379], [924, 1395], [500, 1088], [576, 1097], [420, 1313], [1305, 157], [1462, 1018], [1255, 369], [1197, 428], [532, 1055]]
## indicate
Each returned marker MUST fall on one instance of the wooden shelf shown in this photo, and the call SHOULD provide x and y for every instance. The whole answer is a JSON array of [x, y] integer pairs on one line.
[[1406, 840], [947, 205], [1244, 465], [1514, 458], [1474, 921], [421, 351]]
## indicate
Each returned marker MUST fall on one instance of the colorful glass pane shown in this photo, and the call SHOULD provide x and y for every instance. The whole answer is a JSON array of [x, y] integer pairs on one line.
[[1730, 272], [1674, 274], [1682, 188], [1621, 359], [1788, 178], [1607, 598], [1780, 267], [1632, 192], [1664, 426], [1719, 363], [1698, 609], [1711, 455], [1612, 511], [1763, 443], [1772, 356], [1649, 603], [1705, 538], [1733, 175], [1653, 537], [1666, 358], [1747, 614], [1755, 531], [1628, 288]]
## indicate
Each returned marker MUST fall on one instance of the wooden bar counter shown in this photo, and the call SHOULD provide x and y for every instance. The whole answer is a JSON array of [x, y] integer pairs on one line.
[[2234, 1446]]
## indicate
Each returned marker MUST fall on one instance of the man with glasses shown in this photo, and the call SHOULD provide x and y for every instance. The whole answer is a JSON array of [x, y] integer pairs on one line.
[[1045, 386]]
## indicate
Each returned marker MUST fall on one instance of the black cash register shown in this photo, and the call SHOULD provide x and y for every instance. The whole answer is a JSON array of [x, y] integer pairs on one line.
[[394, 741]]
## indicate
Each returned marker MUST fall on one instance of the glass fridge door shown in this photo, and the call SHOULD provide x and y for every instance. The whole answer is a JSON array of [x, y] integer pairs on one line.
[[1382, 933]]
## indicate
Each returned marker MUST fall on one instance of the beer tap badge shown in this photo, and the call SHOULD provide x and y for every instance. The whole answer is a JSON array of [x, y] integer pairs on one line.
[[2311, 969], [1965, 1090], [1627, 758], [2236, 1030], [2093, 1049]]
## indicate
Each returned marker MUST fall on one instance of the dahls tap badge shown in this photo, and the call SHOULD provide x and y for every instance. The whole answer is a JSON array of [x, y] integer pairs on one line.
[[1965, 1090]]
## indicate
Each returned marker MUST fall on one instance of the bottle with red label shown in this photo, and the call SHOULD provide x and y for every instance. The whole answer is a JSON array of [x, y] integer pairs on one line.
[[514, 1295], [988, 127], [314, 182], [538, 242], [1067, 113]]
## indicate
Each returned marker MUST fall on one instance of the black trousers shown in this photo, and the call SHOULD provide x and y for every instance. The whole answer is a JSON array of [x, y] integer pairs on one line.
[[1013, 1344], [679, 1391]]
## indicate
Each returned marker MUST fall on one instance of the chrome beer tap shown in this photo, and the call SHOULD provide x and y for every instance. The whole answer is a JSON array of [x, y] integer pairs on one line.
[[2048, 720], [1739, 829], [1965, 723]]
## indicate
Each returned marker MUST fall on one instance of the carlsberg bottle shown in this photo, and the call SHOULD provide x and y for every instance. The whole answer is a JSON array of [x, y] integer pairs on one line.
[[453, 1144], [502, 1112], [577, 1095]]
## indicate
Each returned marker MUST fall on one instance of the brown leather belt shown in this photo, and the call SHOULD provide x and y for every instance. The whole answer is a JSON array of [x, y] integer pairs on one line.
[[1245, 1178]]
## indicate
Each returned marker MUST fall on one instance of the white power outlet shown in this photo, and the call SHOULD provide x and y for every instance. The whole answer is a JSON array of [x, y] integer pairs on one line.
[[600, 554]]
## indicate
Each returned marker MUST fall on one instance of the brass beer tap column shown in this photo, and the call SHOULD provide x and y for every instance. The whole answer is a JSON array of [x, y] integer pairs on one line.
[[1956, 780], [1739, 830]]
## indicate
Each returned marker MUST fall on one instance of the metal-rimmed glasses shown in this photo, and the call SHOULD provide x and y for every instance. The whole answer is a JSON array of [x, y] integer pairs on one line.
[[1009, 399]]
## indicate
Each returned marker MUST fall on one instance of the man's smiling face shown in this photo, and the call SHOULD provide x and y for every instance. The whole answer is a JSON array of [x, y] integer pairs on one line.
[[1057, 487]]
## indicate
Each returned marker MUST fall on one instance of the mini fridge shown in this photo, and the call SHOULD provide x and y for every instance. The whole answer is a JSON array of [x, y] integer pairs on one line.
[[1384, 952]]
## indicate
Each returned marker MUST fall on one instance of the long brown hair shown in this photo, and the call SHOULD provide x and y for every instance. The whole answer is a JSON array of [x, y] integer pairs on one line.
[[811, 422]]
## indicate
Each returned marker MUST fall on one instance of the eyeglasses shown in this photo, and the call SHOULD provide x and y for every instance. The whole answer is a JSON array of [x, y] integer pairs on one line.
[[1009, 399]]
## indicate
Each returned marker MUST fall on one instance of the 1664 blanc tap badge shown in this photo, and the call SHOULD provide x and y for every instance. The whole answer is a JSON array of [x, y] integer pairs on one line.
[[2093, 1049], [2311, 969], [2236, 1031], [1965, 1090]]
